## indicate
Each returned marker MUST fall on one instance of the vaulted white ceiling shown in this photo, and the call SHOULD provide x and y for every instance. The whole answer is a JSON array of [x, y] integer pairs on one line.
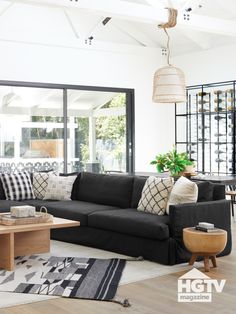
[[133, 23]]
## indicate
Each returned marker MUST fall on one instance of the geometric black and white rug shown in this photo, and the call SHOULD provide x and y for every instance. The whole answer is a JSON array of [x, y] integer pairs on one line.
[[72, 277]]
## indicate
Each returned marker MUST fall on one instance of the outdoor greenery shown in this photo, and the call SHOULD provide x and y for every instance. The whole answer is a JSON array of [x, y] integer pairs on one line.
[[173, 161], [112, 130], [110, 135]]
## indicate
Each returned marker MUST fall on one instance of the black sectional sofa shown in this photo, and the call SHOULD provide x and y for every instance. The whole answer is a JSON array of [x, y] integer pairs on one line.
[[106, 206]]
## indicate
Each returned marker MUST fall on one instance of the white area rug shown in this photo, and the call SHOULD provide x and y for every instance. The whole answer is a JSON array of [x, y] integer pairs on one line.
[[133, 272]]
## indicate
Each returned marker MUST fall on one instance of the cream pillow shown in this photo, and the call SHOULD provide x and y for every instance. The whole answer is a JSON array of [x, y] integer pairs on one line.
[[155, 195], [59, 188], [184, 191]]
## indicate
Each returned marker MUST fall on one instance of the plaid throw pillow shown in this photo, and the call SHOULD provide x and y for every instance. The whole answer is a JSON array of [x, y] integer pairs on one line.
[[155, 195], [17, 186]]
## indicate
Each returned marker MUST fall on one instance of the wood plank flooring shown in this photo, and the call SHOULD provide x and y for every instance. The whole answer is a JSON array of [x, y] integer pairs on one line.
[[152, 296]]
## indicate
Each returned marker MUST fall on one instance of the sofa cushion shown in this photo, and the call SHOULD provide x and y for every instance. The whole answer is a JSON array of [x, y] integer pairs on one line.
[[205, 191], [75, 210], [6, 204], [130, 221], [218, 192], [107, 189], [138, 185]]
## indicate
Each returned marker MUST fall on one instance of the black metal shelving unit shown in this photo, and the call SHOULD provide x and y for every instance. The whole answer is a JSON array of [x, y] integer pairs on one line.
[[205, 127]]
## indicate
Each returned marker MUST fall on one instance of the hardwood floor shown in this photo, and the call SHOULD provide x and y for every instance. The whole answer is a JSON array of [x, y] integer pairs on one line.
[[158, 295]]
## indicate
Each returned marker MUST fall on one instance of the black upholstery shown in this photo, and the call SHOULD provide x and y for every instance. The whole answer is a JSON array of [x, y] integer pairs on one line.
[[131, 221], [188, 215], [5, 205], [205, 191], [114, 190], [137, 190], [106, 206]]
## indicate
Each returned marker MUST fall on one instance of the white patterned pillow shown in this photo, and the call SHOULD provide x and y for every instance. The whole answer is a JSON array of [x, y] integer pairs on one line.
[[155, 195], [184, 191], [59, 188], [40, 183], [17, 186]]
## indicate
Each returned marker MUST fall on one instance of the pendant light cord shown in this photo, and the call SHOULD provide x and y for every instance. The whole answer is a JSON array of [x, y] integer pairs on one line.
[[172, 21], [167, 46]]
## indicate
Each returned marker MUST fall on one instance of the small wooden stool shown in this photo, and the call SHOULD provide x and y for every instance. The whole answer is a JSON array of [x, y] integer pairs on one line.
[[204, 244]]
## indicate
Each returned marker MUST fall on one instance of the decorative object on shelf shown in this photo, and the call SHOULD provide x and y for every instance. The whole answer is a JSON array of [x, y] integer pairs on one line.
[[218, 92], [203, 101], [203, 110], [202, 94], [22, 211], [169, 81], [177, 163], [219, 118], [218, 151]]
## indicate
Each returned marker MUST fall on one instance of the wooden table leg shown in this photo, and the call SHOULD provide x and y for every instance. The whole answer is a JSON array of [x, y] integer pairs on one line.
[[7, 251], [213, 259], [32, 242], [206, 263], [193, 259]]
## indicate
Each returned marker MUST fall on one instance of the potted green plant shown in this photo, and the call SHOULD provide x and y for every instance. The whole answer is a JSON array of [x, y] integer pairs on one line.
[[176, 163]]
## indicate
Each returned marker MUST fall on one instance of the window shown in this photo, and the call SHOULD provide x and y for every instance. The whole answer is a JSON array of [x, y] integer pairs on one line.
[[66, 128]]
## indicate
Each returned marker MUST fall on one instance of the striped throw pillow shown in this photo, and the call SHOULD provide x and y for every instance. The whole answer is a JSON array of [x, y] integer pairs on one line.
[[17, 186]]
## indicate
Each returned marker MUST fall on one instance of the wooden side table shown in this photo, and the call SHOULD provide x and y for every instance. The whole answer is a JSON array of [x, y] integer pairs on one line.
[[204, 244]]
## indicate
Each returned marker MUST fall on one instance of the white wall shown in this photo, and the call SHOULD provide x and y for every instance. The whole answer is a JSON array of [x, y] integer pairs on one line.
[[209, 66], [154, 124]]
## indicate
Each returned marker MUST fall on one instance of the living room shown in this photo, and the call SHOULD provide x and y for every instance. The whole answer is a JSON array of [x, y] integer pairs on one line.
[[77, 98]]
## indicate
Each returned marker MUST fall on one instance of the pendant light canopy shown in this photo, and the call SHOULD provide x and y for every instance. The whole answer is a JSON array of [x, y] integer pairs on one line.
[[169, 81]]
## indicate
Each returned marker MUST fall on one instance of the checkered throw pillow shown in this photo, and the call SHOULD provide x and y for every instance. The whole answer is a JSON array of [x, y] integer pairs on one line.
[[155, 195], [40, 183], [17, 186], [59, 188]]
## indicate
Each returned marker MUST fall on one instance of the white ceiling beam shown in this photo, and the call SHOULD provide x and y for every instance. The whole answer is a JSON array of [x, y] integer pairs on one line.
[[114, 8], [199, 39], [80, 44], [4, 10], [134, 33], [143, 14], [156, 4], [207, 24], [71, 24], [73, 96]]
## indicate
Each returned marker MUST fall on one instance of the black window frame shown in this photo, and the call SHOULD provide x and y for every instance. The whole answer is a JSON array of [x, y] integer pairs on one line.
[[130, 112]]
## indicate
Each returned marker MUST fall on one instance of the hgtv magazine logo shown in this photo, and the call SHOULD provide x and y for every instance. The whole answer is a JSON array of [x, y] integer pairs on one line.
[[194, 286]]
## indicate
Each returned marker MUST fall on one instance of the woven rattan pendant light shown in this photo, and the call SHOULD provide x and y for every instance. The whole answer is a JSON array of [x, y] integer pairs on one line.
[[169, 81]]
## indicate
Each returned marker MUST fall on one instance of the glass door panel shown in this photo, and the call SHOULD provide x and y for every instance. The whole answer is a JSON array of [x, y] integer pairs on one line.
[[96, 131], [31, 129]]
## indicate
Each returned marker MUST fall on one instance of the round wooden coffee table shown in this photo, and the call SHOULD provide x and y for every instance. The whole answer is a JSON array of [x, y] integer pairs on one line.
[[204, 244]]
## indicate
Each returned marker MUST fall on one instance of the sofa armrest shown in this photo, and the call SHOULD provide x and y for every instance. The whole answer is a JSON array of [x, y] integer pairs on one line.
[[188, 215]]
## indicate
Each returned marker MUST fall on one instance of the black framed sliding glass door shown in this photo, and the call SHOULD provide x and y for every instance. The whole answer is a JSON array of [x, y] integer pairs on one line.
[[66, 128]]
